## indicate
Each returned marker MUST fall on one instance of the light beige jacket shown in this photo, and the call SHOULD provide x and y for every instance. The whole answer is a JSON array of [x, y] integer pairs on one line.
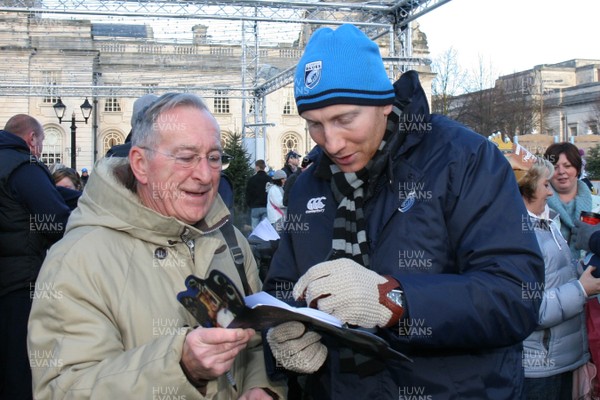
[[106, 323]]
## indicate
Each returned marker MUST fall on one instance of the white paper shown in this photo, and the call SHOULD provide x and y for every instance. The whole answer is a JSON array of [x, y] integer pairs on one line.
[[265, 231], [265, 299]]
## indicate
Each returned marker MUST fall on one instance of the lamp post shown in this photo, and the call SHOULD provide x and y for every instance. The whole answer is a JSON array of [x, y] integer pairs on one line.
[[86, 110]]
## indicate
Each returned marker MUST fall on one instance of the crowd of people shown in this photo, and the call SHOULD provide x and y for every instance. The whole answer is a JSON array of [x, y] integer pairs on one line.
[[396, 227]]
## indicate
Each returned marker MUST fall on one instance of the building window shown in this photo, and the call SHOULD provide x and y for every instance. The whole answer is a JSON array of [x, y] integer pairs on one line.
[[526, 84], [289, 107], [289, 142], [51, 78], [221, 104], [573, 130], [150, 88], [593, 128], [52, 153], [111, 139], [111, 104]]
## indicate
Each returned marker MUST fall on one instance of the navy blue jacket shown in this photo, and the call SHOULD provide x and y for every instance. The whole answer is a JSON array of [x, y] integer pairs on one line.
[[447, 221], [33, 215]]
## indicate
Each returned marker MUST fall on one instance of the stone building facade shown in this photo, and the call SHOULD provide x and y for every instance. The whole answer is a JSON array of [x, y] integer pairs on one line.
[[45, 59], [568, 99]]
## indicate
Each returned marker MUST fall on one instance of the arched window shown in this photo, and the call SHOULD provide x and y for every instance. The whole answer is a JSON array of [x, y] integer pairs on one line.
[[289, 141], [111, 139], [53, 150]]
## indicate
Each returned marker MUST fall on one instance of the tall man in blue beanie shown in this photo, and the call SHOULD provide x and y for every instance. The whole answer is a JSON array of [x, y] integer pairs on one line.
[[418, 236]]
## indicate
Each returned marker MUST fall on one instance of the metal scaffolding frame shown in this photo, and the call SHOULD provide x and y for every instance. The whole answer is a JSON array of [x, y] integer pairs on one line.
[[377, 20], [380, 14]]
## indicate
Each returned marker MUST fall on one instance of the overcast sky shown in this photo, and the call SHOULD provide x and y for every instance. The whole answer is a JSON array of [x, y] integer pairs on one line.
[[514, 35]]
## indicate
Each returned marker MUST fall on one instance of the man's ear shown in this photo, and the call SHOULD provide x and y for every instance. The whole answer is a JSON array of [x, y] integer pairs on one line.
[[30, 140], [139, 164], [387, 109]]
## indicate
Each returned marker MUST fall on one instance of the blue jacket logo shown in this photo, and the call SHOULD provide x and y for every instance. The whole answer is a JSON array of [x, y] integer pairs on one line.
[[408, 202]]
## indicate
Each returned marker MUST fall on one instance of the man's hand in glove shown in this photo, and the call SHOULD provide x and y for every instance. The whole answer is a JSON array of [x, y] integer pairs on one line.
[[581, 234], [296, 349], [348, 291]]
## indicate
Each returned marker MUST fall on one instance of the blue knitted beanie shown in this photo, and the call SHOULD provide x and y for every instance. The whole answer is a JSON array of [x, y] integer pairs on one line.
[[341, 66]]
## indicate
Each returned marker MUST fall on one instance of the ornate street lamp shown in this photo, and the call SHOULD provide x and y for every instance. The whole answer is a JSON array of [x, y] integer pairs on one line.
[[86, 111]]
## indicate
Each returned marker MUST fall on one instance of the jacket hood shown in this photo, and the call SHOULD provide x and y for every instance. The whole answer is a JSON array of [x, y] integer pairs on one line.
[[412, 101], [12, 141], [109, 201]]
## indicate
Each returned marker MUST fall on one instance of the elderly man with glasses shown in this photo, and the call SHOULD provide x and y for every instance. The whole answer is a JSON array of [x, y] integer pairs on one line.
[[112, 326]]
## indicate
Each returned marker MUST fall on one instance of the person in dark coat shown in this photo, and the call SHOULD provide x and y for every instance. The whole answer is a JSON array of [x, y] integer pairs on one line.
[[409, 225], [33, 216], [586, 237], [292, 162], [306, 162], [256, 193], [226, 192], [85, 175]]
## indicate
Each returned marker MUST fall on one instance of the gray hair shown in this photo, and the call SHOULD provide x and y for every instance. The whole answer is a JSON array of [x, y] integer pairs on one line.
[[144, 130], [528, 182], [544, 166]]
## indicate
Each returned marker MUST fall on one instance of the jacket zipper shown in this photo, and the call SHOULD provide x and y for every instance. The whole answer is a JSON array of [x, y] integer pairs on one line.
[[189, 242]]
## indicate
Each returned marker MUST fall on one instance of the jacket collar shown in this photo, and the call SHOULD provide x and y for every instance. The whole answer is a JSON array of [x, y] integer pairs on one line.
[[11, 141]]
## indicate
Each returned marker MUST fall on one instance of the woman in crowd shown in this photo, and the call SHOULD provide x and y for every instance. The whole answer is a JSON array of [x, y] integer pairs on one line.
[[69, 185], [572, 195], [275, 207], [67, 177], [559, 345]]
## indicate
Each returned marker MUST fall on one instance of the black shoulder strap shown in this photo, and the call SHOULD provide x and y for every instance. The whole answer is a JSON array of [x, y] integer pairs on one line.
[[236, 252]]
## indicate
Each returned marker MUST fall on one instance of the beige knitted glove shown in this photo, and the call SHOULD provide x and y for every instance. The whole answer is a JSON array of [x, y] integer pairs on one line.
[[346, 290], [295, 349]]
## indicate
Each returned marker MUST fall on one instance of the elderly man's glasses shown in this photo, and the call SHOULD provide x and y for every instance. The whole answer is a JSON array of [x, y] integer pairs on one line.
[[186, 159]]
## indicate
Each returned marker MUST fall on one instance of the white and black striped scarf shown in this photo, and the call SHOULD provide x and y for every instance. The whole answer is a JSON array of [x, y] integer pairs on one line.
[[353, 189]]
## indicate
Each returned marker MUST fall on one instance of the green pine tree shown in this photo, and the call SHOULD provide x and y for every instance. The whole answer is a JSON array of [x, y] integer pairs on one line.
[[238, 172], [592, 162]]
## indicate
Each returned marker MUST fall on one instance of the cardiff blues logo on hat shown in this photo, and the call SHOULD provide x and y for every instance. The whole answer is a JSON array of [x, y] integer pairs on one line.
[[312, 74]]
